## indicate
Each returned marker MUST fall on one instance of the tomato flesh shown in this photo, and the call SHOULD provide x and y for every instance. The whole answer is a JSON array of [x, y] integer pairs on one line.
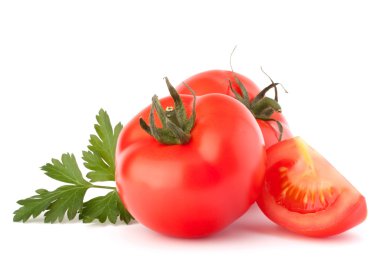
[[304, 193]]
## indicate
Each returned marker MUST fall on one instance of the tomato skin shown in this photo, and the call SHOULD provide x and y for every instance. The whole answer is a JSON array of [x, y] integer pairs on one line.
[[270, 131], [199, 188], [217, 81], [346, 211]]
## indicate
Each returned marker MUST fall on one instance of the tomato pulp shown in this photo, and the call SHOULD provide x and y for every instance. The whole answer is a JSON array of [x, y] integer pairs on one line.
[[304, 193], [218, 81], [198, 188]]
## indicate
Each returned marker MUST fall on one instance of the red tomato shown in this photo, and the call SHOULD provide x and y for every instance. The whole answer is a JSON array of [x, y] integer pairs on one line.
[[198, 188], [217, 81], [304, 193]]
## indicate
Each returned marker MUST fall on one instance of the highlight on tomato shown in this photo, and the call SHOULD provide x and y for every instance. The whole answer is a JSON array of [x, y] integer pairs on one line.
[[189, 166], [267, 111], [305, 194]]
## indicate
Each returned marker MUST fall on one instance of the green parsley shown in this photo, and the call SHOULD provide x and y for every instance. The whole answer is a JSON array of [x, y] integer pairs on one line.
[[69, 199]]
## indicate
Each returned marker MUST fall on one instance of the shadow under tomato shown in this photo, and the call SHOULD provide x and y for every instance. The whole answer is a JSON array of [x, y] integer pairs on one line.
[[252, 228], [254, 224]]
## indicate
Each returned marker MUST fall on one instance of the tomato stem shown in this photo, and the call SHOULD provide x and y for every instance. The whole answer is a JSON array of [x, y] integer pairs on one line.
[[262, 107], [176, 127], [171, 115]]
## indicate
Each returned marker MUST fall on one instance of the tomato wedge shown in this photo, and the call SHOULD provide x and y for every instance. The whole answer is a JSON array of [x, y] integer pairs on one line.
[[305, 194]]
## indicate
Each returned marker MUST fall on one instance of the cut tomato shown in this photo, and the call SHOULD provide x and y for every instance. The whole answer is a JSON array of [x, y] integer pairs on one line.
[[304, 193]]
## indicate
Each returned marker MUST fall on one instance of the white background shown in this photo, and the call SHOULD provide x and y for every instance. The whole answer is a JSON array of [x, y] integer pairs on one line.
[[61, 61]]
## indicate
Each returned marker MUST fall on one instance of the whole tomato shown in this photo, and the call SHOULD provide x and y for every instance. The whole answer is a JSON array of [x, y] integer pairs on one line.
[[267, 112], [189, 166]]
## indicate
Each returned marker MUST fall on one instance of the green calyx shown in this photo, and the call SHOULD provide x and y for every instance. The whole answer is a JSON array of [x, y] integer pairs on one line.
[[176, 127], [262, 107]]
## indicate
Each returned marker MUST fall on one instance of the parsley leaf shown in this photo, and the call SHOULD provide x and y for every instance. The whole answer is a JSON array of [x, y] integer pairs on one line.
[[65, 171], [103, 207], [100, 158], [68, 199]]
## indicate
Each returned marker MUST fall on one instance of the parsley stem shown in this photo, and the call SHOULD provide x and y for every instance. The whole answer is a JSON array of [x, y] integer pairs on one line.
[[103, 187]]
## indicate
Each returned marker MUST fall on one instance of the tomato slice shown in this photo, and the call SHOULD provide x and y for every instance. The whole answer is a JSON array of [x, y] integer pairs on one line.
[[304, 193]]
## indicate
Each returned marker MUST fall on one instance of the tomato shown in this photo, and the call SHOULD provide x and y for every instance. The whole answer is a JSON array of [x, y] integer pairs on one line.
[[304, 193], [197, 188], [217, 81]]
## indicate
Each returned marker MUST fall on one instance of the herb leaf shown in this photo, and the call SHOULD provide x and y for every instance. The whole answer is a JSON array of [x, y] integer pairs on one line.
[[105, 207], [65, 199], [66, 170], [68, 199], [100, 158]]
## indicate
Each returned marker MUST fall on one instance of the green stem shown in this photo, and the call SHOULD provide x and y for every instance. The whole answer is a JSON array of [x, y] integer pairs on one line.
[[262, 107], [176, 126], [171, 115], [103, 187]]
